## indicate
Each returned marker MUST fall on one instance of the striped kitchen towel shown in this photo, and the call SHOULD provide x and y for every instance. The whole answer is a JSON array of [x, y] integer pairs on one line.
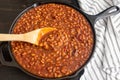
[[105, 64]]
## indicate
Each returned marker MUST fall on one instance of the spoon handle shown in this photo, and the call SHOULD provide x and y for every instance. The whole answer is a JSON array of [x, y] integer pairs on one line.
[[11, 37]]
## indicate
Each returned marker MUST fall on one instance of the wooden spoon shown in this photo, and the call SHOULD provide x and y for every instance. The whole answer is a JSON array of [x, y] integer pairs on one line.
[[32, 37]]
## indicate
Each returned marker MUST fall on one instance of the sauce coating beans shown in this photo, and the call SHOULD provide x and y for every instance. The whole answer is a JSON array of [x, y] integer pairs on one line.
[[61, 52]]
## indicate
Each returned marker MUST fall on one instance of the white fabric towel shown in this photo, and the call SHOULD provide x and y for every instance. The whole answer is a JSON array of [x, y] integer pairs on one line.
[[105, 64]]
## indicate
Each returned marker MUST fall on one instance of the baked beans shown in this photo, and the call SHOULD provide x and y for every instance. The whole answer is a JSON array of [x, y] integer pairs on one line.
[[61, 52]]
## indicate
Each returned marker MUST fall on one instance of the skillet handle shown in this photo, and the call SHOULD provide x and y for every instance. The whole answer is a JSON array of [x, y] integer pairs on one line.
[[106, 13], [4, 60]]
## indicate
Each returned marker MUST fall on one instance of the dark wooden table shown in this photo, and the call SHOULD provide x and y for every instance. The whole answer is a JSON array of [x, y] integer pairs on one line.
[[9, 9]]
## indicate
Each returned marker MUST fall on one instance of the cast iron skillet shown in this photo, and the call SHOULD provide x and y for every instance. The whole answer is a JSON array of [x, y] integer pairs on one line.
[[91, 19]]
